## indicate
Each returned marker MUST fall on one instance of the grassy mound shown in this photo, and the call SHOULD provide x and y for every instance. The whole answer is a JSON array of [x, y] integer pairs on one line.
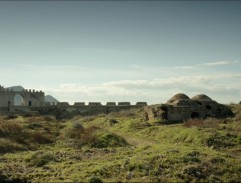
[[105, 139]]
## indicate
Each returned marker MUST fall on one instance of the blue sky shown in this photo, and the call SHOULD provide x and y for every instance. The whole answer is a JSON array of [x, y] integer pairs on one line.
[[114, 51]]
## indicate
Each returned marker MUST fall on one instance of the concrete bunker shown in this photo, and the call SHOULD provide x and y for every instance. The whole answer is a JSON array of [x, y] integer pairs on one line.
[[180, 107]]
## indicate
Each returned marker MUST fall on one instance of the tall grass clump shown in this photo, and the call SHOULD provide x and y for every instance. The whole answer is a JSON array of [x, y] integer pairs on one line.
[[12, 130], [81, 135]]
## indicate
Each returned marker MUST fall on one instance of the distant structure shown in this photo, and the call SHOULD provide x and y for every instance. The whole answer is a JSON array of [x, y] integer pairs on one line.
[[180, 107], [29, 98], [31, 101]]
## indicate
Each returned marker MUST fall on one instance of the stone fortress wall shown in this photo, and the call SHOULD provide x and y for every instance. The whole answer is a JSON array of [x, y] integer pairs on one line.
[[30, 98], [180, 107], [98, 104], [90, 108], [33, 101]]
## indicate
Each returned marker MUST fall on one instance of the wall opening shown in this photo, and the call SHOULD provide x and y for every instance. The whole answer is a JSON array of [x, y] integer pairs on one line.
[[195, 115], [164, 113], [18, 100], [208, 107], [9, 104], [30, 103], [199, 103]]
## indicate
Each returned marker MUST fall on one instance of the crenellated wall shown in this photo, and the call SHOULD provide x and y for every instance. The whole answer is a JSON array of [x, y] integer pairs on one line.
[[31, 98], [82, 110], [34, 101]]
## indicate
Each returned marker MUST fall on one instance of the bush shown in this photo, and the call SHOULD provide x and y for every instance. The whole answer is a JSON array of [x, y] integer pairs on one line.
[[208, 123], [41, 138], [76, 130], [12, 131], [11, 116], [81, 135], [95, 180], [5, 179], [39, 159], [222, 140], [193, 171], [50, 119], [112, 122], [7, 146], [238, 128], [105, 139]]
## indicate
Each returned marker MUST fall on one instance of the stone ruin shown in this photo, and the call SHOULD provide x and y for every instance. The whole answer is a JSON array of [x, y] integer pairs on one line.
[[180, 107], [29, 99]]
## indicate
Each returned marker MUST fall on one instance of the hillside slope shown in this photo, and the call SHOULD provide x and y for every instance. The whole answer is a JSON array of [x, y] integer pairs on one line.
[[122, 147]]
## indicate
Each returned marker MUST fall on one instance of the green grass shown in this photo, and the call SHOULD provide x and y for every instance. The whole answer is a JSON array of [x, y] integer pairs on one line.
[[122, 147]]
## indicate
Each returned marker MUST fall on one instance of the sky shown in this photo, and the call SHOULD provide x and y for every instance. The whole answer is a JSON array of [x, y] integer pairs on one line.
[[99, 51]]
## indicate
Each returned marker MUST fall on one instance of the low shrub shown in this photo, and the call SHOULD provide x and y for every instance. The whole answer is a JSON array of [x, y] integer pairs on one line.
[[40, 159], [34, 125], [219, 140], [7, 146], [238, 128], [41, 138], [13, 131], [76, 130], [193, 171], [81, 135], [196, 122], [50, 119], [11, 116], [105, 139], [112, 121], [5, 179], [95, 180]]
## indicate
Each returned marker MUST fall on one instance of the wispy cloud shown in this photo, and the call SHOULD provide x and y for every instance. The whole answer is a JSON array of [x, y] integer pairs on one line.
[[152, 90], [210, 64], [183, 67]]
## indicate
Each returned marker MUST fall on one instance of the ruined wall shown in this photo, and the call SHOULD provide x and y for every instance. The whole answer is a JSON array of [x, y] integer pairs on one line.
[[73, 110], [30, 98], [181, 108]]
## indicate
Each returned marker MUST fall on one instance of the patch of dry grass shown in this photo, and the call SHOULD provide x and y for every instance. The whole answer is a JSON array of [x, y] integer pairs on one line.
[[207, 123]]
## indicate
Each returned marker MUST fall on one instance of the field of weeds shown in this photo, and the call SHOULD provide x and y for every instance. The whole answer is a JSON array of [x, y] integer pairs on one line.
[[120, 147]]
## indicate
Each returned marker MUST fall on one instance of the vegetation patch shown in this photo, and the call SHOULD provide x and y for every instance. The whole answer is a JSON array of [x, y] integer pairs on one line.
[[223, 140], [119, 147], [105, 139], [207, 123], [40, 159]]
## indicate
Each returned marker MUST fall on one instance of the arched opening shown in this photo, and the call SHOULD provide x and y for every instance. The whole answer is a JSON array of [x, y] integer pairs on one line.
[[165, 113], [195, 115], [18, 100], [208, 107], [9, 104]]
